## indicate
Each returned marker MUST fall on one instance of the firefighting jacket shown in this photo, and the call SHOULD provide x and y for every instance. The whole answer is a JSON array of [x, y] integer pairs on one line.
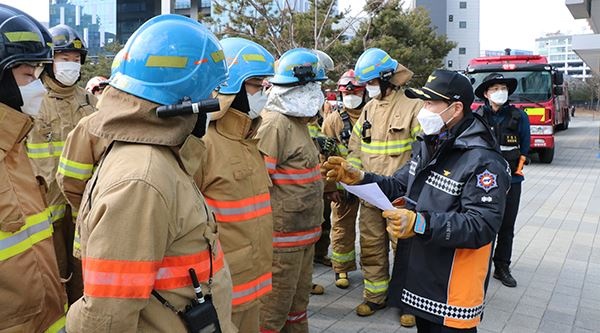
[[235, 183], [143, 223], [386, 146], [80, 154], [296, 196], [31, 293], [61, 110], [333, 125], [460, 190]]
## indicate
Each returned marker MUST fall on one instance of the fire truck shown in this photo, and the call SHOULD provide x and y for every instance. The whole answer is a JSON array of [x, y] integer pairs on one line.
[[541, 93]]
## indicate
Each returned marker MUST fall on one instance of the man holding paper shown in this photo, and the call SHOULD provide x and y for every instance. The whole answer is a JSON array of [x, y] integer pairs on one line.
[[453, 194]]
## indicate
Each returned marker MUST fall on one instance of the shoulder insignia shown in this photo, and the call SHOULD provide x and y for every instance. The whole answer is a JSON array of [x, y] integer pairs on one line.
[[486, 180]]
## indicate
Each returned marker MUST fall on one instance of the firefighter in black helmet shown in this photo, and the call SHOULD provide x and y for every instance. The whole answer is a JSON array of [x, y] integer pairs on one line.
[[31, 296], [63, 105]]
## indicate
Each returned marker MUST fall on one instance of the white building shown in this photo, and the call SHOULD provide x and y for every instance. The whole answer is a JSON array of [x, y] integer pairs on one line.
[[459, 21], [587, 47], [558, 48]]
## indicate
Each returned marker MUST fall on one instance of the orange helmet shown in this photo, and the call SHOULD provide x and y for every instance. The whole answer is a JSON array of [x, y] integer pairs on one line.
[[96, 83], [349, 83]]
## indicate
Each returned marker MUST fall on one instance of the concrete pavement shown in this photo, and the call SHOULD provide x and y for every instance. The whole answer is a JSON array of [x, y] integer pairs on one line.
[[556, 253]]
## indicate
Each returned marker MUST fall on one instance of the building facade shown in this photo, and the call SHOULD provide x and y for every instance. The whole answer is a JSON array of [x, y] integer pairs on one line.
[[102, 22], [459, 21], [558, 48]]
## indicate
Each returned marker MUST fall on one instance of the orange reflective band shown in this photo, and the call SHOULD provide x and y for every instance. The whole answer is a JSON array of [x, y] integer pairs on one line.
[[241, 210], [250, 291], [173, 272], [118, 278], [271, 164], [136, 279], [300, 238], [296, 176]]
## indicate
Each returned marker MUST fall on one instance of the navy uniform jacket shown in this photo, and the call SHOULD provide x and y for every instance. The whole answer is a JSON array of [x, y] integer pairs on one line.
[[460, 187]]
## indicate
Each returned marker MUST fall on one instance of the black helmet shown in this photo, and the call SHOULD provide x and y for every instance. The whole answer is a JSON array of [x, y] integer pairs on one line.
[[22, 39], [66, 38]]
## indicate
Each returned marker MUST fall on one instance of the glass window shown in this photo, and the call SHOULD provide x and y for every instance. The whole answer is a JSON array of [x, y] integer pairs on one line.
[[462, 24], [463, 4], [533, 85], [450, 18], [462, 50]]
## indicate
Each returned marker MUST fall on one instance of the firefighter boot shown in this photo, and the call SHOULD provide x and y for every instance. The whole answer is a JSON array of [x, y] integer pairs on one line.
[[408, 320], [317, 289], [341, 280], [368, 308], [502, 273]]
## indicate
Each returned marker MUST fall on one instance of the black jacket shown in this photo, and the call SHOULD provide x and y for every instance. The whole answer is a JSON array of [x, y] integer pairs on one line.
[[460, 188]]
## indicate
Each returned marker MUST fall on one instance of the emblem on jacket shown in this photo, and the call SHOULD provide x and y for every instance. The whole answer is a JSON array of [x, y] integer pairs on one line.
[[486, 180]]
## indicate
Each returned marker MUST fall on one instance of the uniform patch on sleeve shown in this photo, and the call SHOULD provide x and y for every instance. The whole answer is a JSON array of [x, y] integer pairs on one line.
[[486, 180]]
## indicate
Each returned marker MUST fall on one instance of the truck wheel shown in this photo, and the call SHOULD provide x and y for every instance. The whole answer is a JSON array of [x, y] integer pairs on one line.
[[546, 155]]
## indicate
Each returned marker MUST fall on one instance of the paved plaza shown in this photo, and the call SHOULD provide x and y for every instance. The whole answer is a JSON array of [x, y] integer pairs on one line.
[[556, 257]]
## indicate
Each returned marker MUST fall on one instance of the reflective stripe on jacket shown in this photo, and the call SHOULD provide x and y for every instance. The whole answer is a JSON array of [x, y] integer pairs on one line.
[[30, 290], [235, 182], [297, 193]]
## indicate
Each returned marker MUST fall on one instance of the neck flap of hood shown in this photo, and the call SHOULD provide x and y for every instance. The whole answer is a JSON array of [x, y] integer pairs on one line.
[[124, 117], [55, 89]]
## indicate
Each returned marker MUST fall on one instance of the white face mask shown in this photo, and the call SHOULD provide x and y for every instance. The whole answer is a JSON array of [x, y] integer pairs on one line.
[[32, 95], [352, 101], [373, 90], [431, 122], [499, 96], [257, 103], [67, 72]]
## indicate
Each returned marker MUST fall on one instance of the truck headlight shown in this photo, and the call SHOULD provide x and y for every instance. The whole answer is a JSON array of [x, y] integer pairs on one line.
[[541, 130]]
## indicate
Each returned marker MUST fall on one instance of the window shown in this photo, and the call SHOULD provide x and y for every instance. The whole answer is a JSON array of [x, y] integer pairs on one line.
[[463, 5], [462, 24], [462, 50], [450, 18]]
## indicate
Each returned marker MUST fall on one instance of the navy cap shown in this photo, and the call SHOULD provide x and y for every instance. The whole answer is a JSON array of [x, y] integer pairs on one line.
[[445, 85]]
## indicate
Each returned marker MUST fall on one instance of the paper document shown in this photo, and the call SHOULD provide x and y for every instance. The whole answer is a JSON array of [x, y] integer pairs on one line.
[[370, 193]]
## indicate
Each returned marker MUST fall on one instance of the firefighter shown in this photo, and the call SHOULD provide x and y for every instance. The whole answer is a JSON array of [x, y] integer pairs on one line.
[[81, 153], [296, 196], [235, 182], [381, 143], [344, 206], [452, 196], [62, 108], [511, 129], [96, 85], [143, 222], [32, 298]]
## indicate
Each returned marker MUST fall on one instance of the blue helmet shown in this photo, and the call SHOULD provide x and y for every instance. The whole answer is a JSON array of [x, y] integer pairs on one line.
[[168, 59], [374, 63], [325, 62], [246, 59], [298, 66]]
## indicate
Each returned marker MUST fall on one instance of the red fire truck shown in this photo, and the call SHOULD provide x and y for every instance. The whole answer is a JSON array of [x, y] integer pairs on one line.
[[541, 92]]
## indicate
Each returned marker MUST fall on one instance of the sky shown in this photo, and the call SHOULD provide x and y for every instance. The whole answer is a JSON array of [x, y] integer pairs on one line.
[[503, 23]]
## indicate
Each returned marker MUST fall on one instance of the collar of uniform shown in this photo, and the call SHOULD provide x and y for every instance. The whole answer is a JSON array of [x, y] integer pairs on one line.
[[124, 117], [353, 114], [55, 89], [234, 124], [14, 126], [191, 154]]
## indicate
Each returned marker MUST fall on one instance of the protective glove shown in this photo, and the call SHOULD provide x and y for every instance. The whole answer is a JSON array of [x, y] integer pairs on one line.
[[400, 222], [337, 169]]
